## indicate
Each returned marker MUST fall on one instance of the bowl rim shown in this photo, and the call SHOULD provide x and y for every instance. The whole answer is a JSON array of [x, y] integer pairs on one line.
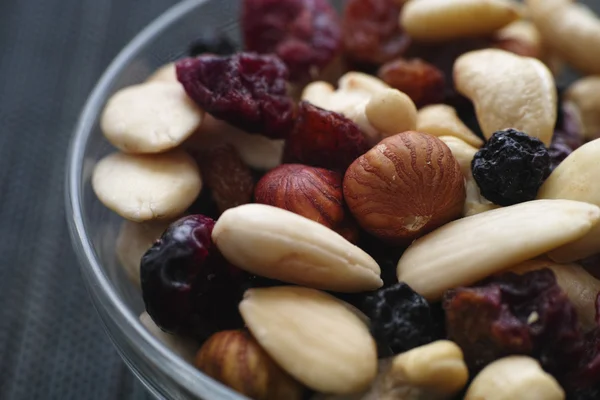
[[97, 282]]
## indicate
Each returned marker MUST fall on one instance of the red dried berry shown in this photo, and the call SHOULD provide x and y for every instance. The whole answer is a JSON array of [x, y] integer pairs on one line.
[[230, 180], [421, 81], [510, 314], [305, 34], [371, 32], [324, 139], [246, 90]]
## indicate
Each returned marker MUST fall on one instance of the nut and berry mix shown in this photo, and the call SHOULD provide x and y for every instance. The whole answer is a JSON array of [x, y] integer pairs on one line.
[[390, 201]]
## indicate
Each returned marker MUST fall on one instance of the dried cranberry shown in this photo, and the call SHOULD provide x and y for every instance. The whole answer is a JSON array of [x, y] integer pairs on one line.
[[246, 90], [305, 34], [567, 135], [324, 139], [400, 318], [187, 285], [421, 81], [443, 56], [511, 167], [371, 32], [515, 314], [558, 150]]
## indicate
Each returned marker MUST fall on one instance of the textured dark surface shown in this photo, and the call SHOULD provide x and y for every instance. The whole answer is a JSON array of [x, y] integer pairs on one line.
[[52, 345]]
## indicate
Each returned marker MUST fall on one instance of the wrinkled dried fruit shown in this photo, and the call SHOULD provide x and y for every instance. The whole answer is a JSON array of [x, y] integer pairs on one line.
[[187, 286], [246, 90], [512, 314], [229, 179], [371, 33], [400, 318], [324, 139], [511, 167], [567, 136], [305, 34], [210, 43], [421, 81]]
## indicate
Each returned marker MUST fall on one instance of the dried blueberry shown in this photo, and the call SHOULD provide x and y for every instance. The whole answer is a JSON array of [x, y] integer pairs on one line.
[[209, 43], [324, 139], [246, 90], [511, 167], [400, 318], [511, 314], [187, 285], [305, 34], [558, 150]]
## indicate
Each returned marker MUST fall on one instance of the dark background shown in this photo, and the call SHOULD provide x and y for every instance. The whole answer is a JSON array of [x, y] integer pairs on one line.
[[52, 345]]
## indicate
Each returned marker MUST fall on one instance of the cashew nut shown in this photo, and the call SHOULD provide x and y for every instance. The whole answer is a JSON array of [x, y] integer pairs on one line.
[[508, 91], [475, 203], [257, 151], [574, 179], [442, 120], [442, 20], [584, 95], [571, 29], [514, 378], [435, 371], [182, 346], [377, 109], [581, 287]]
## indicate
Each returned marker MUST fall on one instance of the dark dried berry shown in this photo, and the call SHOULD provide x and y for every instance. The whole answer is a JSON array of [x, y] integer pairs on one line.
[[511, 314], [187, 285], [371, 33], [305, 34], [209, 43], [511, 167], [324, 139], [246, 90], [400, 318], [421, 81], [567, 135], [558, 150]]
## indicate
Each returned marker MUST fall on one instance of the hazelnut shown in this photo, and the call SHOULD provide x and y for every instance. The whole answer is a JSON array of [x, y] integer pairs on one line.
[[404, 187], [235, 359], [314, 193]]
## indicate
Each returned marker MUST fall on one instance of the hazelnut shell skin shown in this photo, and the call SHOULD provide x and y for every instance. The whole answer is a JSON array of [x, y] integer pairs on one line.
[[407, 185], [235, 359], [314, 193]]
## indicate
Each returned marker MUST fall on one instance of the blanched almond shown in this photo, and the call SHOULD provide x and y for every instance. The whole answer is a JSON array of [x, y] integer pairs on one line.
[[469, 249], [279, 244], [150, 118], [147, 187], [313, 336], [575, 179], [443, 20]]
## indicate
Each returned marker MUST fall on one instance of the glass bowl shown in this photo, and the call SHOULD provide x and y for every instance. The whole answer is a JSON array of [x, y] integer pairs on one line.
[[94, 228]]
